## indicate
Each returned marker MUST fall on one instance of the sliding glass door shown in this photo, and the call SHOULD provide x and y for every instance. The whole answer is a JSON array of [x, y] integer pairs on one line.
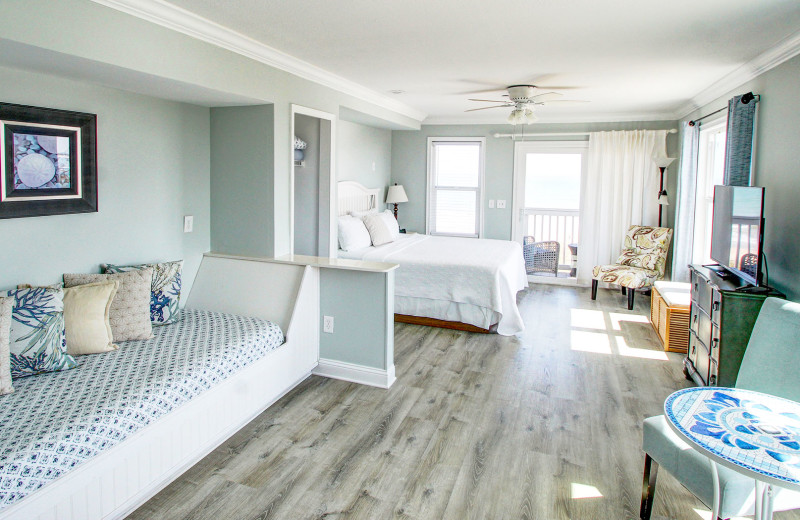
[[547, 191]]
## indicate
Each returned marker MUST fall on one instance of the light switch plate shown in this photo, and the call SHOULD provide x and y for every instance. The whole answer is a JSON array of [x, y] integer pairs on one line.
[[188, 224], [491, 203], [501, 204]]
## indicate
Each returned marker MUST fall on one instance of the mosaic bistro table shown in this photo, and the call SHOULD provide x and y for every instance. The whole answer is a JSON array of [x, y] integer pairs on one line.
[[755, 434]]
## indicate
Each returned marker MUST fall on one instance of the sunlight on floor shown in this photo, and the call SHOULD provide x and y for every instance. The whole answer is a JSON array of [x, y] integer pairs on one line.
[[706, 515], [595, 342], [617, 319], [644, 353], [587, 319], [585, 491]]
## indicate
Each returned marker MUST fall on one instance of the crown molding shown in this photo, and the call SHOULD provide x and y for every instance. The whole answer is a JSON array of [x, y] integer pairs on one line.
[[783, 51], [598, 118], [190, 24]]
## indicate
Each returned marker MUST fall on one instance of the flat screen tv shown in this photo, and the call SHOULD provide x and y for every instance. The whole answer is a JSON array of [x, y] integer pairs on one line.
[[737, 230]]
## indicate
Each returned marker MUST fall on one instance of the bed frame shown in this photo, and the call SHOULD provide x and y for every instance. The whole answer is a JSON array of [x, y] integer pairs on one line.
[[119, 480], [353, 196]]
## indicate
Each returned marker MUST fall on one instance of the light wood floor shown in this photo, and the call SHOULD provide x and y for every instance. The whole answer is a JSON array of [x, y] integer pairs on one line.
[[476, 426]]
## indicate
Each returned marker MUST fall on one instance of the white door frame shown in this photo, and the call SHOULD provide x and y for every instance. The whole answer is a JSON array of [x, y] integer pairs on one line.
[[520, 149], [330, 159]]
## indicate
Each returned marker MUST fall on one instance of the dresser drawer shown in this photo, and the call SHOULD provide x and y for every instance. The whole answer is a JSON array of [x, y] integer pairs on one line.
[[701, 361], [701, 292], [713, 343], [713, 373], [716, 307]]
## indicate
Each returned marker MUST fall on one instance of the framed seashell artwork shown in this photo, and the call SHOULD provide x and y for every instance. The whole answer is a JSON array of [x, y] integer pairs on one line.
[[48, 161]]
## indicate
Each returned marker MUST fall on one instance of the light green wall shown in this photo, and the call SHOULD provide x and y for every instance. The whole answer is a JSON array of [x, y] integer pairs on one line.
[[359, 147], [776, 167], [362, 305], [409, 165], [153, 168], [241, 180], [94, 33], [306, 188]]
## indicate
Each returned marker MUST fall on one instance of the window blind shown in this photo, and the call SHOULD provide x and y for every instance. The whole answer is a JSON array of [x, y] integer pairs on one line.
[[456, 170]]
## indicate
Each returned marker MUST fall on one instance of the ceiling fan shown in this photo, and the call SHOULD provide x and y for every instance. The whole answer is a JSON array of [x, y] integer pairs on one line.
[[523, 98]]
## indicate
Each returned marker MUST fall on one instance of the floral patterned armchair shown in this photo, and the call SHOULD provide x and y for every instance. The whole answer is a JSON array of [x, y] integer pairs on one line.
[[640, 264]]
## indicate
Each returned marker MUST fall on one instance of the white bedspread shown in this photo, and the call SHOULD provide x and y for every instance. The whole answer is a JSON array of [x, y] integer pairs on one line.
[[482, 272]]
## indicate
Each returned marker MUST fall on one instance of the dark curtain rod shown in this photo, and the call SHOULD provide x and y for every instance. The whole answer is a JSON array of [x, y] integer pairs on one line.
[[746, 98]]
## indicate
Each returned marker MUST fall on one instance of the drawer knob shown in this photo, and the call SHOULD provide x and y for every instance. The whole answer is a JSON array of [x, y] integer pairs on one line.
[[715, 306]]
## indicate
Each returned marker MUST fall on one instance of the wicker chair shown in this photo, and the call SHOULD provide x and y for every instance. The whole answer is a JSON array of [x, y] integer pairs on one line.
[[748, 264], [540, 257]]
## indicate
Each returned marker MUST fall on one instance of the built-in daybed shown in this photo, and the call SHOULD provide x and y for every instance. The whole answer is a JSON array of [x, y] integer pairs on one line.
[[99, 440]]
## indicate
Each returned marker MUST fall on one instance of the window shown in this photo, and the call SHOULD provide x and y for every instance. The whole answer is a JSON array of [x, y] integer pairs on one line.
[[455, 186], [710, 172]]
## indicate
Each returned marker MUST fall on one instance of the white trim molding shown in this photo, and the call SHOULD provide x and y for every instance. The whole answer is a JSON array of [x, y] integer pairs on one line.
[[191, 24], [783, 51], [355, 373]]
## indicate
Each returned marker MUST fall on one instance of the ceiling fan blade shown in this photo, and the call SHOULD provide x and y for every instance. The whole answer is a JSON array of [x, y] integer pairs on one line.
[[490, 100], [484, 108], [546, 96]]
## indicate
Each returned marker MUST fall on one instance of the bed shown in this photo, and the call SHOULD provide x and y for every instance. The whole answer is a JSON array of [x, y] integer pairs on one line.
[[107, 436], [463, 283], [74, 415]]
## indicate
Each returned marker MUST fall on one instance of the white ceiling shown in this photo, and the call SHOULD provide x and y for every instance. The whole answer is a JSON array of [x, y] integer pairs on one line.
[[645, 59]]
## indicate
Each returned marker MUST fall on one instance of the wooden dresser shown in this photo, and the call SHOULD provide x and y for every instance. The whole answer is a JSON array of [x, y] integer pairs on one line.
[[721, 320]]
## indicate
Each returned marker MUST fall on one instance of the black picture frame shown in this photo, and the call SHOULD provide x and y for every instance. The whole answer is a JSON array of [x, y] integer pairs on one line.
[[55, 153]]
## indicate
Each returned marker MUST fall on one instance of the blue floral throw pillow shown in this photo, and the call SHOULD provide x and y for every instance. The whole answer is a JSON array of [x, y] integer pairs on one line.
[[37, 340], [165, 292]]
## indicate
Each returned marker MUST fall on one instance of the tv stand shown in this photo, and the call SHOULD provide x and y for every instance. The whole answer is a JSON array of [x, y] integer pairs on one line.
[[722, 314], [719, 270]]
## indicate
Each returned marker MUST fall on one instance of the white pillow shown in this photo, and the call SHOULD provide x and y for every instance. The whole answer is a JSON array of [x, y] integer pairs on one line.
[[352, 234], [382, 228], [391, 222], [362, 214]]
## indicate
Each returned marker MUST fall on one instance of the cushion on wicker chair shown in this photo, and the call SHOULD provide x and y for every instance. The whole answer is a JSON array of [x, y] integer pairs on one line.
[[631, 277]]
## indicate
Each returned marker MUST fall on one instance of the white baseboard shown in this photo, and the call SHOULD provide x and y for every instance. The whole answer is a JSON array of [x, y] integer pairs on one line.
[[355, 373]]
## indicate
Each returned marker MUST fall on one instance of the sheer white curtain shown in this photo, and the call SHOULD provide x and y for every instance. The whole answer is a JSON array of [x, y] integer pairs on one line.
[[620, 189], [684, 212]]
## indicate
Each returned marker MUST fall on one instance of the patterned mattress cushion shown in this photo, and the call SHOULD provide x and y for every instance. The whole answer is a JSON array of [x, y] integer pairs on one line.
[[54, 422], [632, 277]]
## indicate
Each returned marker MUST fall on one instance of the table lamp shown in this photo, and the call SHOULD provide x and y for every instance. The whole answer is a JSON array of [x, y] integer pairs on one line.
[[395, 195]]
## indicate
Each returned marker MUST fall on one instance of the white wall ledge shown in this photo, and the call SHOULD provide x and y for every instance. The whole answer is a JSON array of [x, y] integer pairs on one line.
[[316, 261]]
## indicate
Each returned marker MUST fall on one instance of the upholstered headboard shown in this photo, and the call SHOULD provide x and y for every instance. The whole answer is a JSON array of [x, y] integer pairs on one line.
[[353, 196]]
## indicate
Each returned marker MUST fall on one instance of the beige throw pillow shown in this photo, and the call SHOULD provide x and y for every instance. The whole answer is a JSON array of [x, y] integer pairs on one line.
[[382, 228], [6, 306], [129, 314], [86, 317]]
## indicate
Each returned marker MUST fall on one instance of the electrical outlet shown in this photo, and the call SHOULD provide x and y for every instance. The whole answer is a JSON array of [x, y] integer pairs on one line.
[[491, 203], [501, 204], [188, 224], [327, 324]]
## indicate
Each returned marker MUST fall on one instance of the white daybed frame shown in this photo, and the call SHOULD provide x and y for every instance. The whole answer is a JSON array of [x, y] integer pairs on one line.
[[117, 481]]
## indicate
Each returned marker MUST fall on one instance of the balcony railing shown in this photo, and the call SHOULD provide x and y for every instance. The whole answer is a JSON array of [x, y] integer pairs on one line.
[[560, 225]]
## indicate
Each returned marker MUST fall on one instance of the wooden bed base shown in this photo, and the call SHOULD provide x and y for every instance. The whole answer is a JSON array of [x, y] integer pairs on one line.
[[442, 324]]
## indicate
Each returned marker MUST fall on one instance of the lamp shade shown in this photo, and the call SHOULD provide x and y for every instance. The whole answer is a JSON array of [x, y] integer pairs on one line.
[[663, 162], [396, 194], [663, 199]]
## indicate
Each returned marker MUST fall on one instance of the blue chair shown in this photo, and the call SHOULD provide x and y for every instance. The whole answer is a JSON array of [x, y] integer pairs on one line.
[[770, 365]]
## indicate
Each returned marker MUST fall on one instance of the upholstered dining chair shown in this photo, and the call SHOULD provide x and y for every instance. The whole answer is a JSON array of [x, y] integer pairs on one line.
[[640, 264], [769, 366]]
